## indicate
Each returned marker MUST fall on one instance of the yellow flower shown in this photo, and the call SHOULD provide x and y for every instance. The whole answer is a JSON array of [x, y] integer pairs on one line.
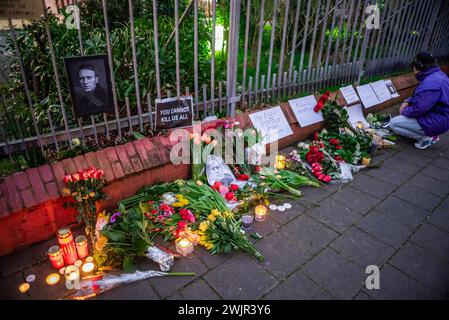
[[101, 243], [103, 215], [66, 191], [92, 194], [215, 212], [211, 217], [204, 225], [199, 183]]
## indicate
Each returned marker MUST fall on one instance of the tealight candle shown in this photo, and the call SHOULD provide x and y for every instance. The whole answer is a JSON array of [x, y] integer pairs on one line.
[[184, 246], [90, 259], [260, 213], [359, 124], [81, 247], [52, 279], [78, 263], [56, 257], [366, 161], [88, 268], [72, 277], [280, 162], [24, 287]]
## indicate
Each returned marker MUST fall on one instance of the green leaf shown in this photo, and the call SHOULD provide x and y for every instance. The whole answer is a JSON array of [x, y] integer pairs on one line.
[[128, 265], [114, 235]]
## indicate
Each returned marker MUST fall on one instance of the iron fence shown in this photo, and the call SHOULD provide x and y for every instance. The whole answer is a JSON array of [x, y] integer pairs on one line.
[[274, 50]]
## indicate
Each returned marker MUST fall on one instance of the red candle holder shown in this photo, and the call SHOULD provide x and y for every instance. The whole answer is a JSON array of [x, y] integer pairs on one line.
[[65, 239], [81, 247], [56, 257]]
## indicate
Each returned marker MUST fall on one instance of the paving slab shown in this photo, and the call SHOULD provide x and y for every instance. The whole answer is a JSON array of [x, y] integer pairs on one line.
[[140, 290], [199, 290], [436, 173], [433, 240], [336, 215], [403, 211], [309, 233], [282, 256], [440, 217], [355, 199], [385, 228], [240, 278], [403, 165], [395, 285], [424, 267], [297, 287], [372, 186], [388, 175], [362, 249], [417, 196], [330, 270]]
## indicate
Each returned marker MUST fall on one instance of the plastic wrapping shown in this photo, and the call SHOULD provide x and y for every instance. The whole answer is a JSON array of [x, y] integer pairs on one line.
[[95, 285], [164, 259]]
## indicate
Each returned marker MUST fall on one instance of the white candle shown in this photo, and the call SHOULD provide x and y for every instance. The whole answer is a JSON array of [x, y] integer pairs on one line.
[[184, 246], [88, 268], [52, 279], [72, 276], [260, 213]]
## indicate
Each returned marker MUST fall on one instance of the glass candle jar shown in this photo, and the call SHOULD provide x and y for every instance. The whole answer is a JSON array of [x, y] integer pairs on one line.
[[72, 277], [247, 222], [65, 239], [280, 162], [184, 246], [260, 212], [56, 257], [81, 247]]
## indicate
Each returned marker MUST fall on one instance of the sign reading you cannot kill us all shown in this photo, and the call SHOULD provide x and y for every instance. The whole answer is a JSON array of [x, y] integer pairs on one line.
[[21, 9], [174, 113]]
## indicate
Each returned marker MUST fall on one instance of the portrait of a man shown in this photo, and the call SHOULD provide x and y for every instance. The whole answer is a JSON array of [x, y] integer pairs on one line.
[[89, 85], [217, 170]]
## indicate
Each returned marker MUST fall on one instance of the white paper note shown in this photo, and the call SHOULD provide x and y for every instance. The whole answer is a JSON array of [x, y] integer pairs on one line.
[[303, 110], [394, 93], [381, 91], [272, 123], [356, 115], [367, 96], [349, 94]]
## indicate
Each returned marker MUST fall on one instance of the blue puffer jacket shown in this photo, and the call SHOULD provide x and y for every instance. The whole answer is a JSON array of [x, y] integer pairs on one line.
[[430, 102]]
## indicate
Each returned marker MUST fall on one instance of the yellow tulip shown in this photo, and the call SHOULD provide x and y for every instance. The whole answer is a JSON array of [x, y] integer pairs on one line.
[[203, 226], [66, 191], [215, 212], [92, 194], [211, 217]]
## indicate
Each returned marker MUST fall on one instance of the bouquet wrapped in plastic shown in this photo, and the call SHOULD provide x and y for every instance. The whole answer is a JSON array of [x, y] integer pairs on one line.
[[95, 285]]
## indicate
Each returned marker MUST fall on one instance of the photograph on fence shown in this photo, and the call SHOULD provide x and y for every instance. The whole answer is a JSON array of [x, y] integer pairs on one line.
[[89, 84]]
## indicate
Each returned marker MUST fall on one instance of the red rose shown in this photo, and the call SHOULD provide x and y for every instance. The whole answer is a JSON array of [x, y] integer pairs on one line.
[[334, 142], [234, 187], [75, 177], [243, 177], [338, 147], [84, 176], [229, 196], [67, 178], [182, 224], [319, 106], [258, 168], [216, 185], [327, 179]]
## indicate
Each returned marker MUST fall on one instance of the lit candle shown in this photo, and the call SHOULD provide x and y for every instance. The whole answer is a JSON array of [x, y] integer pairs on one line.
[[359, 124], [366, 161], [72, 277], [90, 259], [280, 162], [24, 287], [184, 246], [81, 247], [65, 239], [56, 257], [88, 268], [78, 263], [52, 279], [260, 213]]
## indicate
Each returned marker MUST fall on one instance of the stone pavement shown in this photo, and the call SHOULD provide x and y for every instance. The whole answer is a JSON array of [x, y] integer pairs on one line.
[[395, 217]]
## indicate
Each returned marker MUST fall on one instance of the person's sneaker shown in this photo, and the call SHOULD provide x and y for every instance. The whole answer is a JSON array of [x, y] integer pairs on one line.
[[426, 142]]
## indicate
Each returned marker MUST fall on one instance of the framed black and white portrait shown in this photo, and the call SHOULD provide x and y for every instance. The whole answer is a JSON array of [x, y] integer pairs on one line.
[[89, 84]]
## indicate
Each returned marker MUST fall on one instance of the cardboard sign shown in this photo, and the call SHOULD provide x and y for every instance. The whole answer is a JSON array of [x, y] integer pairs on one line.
[[174, 113], [381, 91], [272, 123], [303, 110], [367, 96], [356, 115], [349, 94], [394, 93], [21, 9]]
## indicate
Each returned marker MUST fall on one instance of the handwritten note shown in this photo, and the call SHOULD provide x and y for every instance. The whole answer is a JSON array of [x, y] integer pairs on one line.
[[381, 91], [394, 93], [367, 96], [272, 123], [303, 110], [349, 94], [356, 115]]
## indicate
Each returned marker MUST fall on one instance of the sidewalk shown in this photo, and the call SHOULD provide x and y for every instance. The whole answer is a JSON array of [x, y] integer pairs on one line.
[[395, 217]]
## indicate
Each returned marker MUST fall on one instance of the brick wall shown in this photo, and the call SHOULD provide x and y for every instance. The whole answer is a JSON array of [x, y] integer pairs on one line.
[[31, 201]]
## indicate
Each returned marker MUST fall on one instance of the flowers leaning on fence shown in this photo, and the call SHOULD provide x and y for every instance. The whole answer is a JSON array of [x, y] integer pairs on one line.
[[85, 187]]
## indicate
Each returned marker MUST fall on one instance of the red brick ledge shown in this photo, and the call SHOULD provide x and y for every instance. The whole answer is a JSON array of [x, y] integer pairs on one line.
[[31, 201]]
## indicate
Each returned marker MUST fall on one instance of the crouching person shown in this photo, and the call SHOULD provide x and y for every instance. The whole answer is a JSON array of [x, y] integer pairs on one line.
[[425, 116]]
